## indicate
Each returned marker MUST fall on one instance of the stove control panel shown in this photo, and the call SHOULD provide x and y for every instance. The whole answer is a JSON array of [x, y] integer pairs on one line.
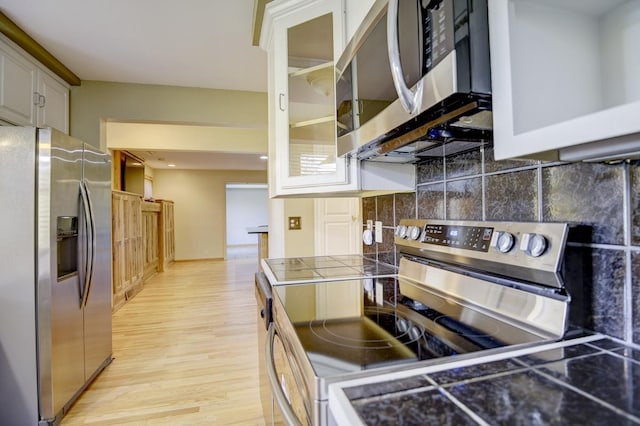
[[458, 236], [524, 244]]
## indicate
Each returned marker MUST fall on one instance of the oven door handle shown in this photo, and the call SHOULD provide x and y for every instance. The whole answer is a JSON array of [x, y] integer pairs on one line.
[[287, 411]]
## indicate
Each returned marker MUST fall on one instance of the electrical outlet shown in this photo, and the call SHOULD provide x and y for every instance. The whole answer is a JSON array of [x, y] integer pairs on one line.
[[295, 223], [378, 227]]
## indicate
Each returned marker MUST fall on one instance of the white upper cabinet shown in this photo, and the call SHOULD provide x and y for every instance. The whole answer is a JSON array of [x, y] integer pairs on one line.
[[53, 105], [356, 10], [565, 78], [304, 37], [17, 87], [29, 94]]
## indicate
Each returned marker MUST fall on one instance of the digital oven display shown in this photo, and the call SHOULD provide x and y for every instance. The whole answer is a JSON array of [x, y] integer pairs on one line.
[[467, 237]]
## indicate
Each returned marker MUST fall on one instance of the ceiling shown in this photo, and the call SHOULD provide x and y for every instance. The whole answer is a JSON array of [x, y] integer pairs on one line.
[[193, 43], [200, 160]]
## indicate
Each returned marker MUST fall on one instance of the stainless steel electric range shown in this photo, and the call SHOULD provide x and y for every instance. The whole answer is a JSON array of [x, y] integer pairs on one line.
[[462, 288]]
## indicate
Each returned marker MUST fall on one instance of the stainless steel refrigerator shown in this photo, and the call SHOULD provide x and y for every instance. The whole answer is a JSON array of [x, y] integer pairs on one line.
[[55, 272]]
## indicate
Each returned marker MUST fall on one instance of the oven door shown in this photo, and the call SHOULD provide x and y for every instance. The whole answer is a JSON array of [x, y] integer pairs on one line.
[[285, 377], [264, 299]]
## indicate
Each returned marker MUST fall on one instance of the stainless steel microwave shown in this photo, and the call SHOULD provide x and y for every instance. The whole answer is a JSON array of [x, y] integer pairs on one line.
[[415, 81]]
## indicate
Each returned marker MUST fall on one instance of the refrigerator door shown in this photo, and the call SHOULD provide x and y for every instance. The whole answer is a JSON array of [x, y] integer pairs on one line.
[[97, 309], [60, 271], [18, 379]]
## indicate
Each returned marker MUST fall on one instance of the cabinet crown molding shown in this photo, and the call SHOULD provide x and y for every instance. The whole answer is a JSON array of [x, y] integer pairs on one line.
[[279, 9]]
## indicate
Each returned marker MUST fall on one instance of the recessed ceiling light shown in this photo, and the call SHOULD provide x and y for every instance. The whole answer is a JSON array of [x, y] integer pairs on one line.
[[264, 157], [171, 165]]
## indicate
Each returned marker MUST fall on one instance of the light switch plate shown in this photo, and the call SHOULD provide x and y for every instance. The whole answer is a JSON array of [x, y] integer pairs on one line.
[[378, 231], [295, 223]]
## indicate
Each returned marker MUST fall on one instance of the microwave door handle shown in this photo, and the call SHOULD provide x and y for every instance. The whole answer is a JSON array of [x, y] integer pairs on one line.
[[287, 411], [409, 99]]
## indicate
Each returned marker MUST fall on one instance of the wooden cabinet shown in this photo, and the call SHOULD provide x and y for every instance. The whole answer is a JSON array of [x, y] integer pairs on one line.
[[167, 249], [565, 78], [150, 230], [143, 242], [128, 255], [29, 94]]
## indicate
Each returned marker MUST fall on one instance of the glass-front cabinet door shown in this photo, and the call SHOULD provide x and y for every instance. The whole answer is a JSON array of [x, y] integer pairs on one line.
[[306, 38]]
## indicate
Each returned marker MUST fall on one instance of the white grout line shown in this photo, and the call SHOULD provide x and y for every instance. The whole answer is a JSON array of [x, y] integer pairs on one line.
[[345, 414], [628, 281], [463, 407], [540, 193], [484, 183], [480, 359], [589, 396]]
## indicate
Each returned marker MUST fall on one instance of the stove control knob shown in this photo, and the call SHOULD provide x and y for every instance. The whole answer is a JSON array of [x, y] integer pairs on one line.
[[414, 232], [533, 244], [401, 231], [503, 241]]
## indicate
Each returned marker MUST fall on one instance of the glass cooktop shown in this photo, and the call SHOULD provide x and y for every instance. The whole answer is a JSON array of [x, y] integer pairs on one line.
[[326, 268], [355, 325]]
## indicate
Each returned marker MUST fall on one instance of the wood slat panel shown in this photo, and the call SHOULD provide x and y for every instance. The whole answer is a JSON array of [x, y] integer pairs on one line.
[[185, 351]]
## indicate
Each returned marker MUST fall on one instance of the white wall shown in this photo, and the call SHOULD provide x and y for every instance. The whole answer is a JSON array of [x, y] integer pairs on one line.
[[247, 206], [199, 207]]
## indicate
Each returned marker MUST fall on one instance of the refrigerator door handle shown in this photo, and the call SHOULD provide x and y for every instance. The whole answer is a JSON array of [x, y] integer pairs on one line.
[[91, 243]]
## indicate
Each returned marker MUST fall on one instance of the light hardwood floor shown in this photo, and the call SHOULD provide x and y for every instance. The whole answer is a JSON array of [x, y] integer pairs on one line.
[[185, 352]]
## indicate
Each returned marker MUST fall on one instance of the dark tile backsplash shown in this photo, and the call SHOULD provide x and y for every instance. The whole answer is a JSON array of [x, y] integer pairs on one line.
[[431, 201], [464, 199], [385, 209], [635, 291], [589, 194], [635, 203], [430, 170], [467, 164], [600, 201], [512, 196]]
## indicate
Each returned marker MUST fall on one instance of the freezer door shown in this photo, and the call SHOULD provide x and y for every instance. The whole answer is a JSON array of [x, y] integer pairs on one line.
[[97, 310], [18, 380], [59, 269]]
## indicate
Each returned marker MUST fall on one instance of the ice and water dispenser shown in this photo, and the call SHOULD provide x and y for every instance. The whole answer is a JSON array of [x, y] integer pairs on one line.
[[67, 237]]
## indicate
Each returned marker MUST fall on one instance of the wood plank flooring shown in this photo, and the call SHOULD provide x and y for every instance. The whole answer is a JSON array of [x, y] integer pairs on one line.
[[185, 352]]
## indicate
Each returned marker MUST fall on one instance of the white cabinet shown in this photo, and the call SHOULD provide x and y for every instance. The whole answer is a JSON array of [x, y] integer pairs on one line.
[[53, 103], [17, 83], [565, 78], [303, 38], [30, 95], [356, 10]]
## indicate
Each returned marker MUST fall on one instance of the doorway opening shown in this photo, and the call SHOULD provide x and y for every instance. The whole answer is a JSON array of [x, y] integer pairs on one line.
[[247, 206]]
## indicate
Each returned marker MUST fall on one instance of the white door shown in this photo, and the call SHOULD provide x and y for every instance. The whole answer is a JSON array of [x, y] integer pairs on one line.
[[338, 226]]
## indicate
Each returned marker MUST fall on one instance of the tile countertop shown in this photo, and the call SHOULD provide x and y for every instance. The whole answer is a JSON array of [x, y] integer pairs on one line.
[[589, 380]]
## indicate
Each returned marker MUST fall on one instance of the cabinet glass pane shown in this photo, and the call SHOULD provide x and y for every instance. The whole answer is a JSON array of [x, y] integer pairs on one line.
[[572, 58], [312, 127]]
